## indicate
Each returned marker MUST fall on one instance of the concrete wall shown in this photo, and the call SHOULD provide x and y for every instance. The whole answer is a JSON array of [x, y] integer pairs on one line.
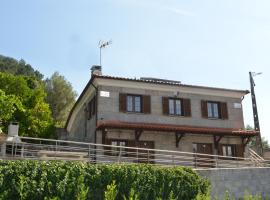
[[238, 181], [109, 109], [83, 129]]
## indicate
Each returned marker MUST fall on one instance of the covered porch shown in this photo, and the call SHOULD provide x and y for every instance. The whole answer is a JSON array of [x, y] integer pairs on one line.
[[203, 140]]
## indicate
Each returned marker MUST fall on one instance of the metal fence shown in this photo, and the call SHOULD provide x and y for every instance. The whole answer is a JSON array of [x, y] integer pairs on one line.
[[48, 149]]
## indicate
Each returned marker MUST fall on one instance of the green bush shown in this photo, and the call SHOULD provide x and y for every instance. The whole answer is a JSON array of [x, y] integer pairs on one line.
[[76, 180]]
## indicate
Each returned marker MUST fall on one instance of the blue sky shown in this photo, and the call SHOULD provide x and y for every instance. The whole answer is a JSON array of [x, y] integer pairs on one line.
[[203, 42]]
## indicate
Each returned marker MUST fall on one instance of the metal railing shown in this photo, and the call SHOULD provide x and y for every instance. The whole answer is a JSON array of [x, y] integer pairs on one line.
[[256, 159], [48, 149]]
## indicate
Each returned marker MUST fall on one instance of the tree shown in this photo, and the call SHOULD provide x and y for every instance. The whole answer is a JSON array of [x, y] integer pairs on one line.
[[60, 96], [265, 143], [15, 67], [27, 105], [8, 105]]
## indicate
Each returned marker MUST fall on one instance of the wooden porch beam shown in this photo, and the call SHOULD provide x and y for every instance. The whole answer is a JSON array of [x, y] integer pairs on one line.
[[138, 134], [178, 137], [217, 140], [245, 140]]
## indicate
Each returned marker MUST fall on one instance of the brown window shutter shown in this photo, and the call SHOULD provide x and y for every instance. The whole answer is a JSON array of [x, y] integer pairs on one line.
[[239, 150], [186, 107], [122, 102], [223, 110], [204, 109], [146, 104], [165, 105]]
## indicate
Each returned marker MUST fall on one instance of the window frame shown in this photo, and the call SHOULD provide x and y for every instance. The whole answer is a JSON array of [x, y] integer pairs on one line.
[[212, 112], [133, 103], [117, 149], [175, 106], [226, 146]]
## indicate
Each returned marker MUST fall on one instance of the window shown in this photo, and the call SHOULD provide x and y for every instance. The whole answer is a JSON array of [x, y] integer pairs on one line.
[[134, 103], [213, 109], [115, 151], [228, 150], [175, 107]]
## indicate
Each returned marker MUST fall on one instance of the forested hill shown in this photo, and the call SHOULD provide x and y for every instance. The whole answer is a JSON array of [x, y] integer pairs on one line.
[[15, 67], [39, 105]]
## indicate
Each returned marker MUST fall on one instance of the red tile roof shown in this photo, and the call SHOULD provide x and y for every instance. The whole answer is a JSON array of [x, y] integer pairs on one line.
[[174, 128], [164, 82]]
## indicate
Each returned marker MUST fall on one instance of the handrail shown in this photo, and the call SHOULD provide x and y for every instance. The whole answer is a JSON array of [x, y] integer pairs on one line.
[[51, 149], [124, 147]]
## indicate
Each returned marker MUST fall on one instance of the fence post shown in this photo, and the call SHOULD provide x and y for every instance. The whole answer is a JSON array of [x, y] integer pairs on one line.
[[148, 156], [120, 152], [89, 152], [55, 150], [216, 160], [12, 149], [137, 155], [195, 164], [22, 150]]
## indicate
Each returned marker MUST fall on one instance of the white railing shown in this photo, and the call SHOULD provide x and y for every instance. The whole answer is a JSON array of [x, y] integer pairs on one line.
[[255, 158], [49, 149]]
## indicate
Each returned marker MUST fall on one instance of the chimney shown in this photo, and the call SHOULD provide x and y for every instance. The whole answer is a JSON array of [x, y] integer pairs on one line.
[[96, 70], [13, 129]]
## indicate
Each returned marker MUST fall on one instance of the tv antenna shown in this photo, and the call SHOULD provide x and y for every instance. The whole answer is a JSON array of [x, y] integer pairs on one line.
[[101, 45]]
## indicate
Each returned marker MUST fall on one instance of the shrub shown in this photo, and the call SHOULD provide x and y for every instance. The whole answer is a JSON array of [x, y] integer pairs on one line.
[[76, 180]]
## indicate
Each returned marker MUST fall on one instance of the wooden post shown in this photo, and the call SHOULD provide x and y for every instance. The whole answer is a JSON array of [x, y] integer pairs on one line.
[[138, 134], [178, 137], [216, 143]]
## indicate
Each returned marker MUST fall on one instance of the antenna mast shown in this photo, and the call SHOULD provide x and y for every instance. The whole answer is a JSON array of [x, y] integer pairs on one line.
[[102, 45]]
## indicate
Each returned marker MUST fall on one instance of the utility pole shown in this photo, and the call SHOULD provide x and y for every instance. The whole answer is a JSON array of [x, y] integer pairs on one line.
[[102, 45], [259, 147]]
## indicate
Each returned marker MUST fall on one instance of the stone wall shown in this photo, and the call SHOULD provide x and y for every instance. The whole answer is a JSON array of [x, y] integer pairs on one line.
[[109, 109], [166, 140], [81, 129], [238, 181]]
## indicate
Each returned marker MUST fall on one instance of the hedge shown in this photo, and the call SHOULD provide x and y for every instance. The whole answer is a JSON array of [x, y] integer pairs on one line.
[[77, 180]]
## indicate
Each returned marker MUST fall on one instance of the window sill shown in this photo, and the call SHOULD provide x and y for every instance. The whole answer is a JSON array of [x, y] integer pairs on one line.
[[181, 116], [215, 119], [138, 113]]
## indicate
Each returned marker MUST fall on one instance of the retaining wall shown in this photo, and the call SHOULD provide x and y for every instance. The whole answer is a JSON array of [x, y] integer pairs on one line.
[[238, 181]]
